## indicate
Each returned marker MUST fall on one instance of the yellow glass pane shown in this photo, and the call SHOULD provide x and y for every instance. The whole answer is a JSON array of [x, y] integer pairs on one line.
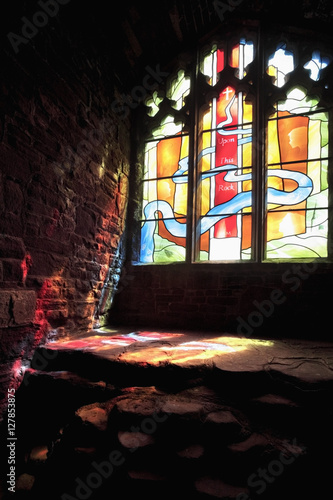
[[247, 154], [184, 147], [180, 204], [314, 172], [314, 133], [206, 140], [205, 163], [205, 196], [273, 149], [247, 112], [206, 120], [272, 71]]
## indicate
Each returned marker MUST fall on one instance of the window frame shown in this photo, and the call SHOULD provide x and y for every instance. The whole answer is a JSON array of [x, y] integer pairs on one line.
[[261, 116]]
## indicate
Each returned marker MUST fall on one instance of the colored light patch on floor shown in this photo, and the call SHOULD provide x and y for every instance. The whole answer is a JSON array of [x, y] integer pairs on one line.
[[93, 343], [149, 336], [100, 342], [154, 348], [186, 352]]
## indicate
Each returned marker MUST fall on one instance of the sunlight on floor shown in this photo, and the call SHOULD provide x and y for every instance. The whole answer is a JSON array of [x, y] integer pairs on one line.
[[161, 347]]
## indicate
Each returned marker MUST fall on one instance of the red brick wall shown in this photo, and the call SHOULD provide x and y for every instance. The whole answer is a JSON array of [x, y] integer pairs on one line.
[[64, 166], [271, 300]]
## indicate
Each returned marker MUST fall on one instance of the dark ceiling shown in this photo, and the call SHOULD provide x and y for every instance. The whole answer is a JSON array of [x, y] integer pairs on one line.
[[133, 34], [150, 33]]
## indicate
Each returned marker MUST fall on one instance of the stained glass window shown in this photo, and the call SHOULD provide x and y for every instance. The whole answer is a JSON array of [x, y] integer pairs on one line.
[[225, 163], [297, 167], [164, 207], [222, 184]]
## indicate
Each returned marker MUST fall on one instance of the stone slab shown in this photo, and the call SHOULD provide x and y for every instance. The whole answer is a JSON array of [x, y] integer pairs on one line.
[[307, 363]]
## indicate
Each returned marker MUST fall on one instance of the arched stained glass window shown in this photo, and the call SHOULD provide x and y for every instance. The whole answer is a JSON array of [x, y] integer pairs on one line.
[[165, 183], [236, 163]]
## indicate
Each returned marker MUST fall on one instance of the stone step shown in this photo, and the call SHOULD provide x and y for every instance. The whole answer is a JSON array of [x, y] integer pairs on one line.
[[216, 488], [199, 425], [234, 365], [53, 397]]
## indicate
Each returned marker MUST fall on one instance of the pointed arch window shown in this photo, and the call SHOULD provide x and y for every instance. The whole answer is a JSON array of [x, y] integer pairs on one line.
[[237, 156]]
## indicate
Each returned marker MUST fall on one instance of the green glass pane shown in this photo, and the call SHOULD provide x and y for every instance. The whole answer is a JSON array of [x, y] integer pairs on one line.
[[311, 243], [153, 103], [166, 251], [179, 89], [298, 102], [319, 200], [324, 175], [324, 133]]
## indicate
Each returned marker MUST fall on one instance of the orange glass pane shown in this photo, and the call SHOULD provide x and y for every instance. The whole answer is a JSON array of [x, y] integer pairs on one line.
[[281, 224], [204, 242], [293, 137], [234, 57], [168, 152], [166, 190], [246, 231]]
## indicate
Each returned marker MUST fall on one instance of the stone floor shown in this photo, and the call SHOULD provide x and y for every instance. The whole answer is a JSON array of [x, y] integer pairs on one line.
[[175, 414]]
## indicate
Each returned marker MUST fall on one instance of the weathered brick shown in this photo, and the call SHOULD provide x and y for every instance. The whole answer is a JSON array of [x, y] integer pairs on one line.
[[56, 315], [85, 223], [177, 307], [5, 304], [13, 197], [221, 301], [11, 247], [23, 305], [12, 270]]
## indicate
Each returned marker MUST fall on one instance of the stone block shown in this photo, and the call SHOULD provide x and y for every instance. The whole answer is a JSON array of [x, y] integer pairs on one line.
[[23, 306], [17, 307], [56, 315], [11, 247], [95, 415], [45, 264], [38, 454], [214, 487], [25, 482], [13, 164], [13, 197], [134, 440], [5, 301], [85, 223], [12, 270]]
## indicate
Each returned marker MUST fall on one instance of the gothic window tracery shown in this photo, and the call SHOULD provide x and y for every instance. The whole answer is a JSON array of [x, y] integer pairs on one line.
[[237, 168]]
